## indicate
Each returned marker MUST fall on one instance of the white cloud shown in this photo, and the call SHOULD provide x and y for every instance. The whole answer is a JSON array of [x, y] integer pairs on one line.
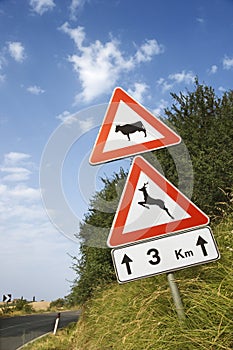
[[2, 60], [76, 34], [3, 189], [13, 158], [98, 68], [200, 20], [15, 174], [76, 6], [139, 90], [16, 167], [87, 124], [35, 90], [35, 246], [15, 193], [27, 235], [148, 50], [227, 63], [222, 89], [213, 69], [100, 65], [182, 77], [176, 78], [2, 78], [164, 85], [66, 117], [159, 110], [16, 51], [24, 192], [41, 6]]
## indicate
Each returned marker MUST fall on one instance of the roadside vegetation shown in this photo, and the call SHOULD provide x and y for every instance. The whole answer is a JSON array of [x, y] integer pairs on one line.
[[15, 308], [141, 315], [24, 307]]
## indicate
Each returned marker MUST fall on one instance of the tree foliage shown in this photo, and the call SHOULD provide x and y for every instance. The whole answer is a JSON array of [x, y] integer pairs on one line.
[[58, 303], [94, 268], [205, 123]]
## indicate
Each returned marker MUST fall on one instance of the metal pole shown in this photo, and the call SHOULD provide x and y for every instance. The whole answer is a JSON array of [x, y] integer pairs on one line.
[[176, 296], [56, 323]]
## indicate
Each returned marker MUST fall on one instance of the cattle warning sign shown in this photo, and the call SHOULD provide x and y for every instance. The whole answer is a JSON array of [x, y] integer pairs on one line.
[[128, 129]]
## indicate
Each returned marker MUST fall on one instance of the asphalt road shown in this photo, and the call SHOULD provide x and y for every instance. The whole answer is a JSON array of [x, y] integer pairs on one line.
[[17, 331]]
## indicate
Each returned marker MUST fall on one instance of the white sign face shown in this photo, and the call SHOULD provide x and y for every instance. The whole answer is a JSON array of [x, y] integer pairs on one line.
[[165, 254], [140, 217], [126, 115]]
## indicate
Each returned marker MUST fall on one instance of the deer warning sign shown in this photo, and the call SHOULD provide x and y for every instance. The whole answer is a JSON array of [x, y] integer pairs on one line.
[[151, 206], [129, 129]]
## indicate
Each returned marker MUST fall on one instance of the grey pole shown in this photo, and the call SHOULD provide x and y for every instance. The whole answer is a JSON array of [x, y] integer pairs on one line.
[[176, 296]]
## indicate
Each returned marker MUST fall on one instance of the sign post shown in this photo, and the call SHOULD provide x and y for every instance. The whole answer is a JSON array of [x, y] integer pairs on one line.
[[176, 296]]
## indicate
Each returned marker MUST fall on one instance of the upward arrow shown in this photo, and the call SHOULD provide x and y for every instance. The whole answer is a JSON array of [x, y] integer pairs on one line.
[[126, 260], [202, 243]]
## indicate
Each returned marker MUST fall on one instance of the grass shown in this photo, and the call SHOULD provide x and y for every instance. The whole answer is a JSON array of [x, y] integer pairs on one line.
[[141, 315]]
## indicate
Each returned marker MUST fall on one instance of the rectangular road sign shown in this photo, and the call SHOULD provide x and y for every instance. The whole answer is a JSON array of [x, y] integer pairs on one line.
[[166, 254], [6, 298]]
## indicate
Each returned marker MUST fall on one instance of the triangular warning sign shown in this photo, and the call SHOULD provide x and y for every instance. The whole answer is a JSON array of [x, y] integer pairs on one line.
[[129, 129], [151, 206]]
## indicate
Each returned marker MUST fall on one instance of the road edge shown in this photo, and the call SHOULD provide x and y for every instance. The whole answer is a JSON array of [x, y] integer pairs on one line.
[[33, 340]]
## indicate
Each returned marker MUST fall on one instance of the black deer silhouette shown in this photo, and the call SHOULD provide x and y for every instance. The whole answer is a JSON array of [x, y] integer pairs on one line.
[[128, 129], [152, 201]]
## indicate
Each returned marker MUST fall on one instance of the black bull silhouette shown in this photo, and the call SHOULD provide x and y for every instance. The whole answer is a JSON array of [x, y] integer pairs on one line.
[[128, 129]]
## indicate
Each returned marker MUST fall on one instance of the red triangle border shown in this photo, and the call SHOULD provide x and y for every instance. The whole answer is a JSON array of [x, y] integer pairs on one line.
[[117, 237], [99, 156]]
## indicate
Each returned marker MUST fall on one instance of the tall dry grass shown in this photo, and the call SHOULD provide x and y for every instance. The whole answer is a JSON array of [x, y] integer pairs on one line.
[[141, 315]]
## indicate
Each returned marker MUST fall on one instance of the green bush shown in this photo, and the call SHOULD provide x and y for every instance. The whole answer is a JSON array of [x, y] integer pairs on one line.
[[58, 303], [22, 305]]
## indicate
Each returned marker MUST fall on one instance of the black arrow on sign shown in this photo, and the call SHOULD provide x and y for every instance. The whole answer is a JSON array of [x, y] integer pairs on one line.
[[126, 260], [202, 243]]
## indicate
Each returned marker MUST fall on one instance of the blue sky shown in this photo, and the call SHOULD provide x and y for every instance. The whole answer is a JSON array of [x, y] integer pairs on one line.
[[58, 59]]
